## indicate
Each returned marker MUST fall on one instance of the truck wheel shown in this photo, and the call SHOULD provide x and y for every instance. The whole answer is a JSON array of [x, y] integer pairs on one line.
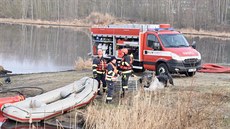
[[190, 74], [161, 68]]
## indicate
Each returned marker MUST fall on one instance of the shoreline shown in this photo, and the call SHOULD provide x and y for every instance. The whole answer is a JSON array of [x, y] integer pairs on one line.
[[78, 23], [42, 23]]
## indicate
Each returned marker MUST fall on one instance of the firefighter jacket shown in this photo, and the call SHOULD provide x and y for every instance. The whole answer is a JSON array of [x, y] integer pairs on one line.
[[99, 65], [111, 72], [126, 63]]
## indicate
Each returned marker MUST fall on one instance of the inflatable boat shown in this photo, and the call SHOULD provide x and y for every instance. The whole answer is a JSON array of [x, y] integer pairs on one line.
[[52, 103]]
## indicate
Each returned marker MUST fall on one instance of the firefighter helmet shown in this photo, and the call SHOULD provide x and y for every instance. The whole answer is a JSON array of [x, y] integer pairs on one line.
[[125, 50], [99, 52], [112, 58]]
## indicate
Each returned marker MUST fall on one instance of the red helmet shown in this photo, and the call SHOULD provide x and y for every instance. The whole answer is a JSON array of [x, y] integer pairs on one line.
[[125, 50], [99, 52]]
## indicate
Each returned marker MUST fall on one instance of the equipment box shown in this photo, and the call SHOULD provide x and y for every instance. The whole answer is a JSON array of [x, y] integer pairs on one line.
[[133, 84]]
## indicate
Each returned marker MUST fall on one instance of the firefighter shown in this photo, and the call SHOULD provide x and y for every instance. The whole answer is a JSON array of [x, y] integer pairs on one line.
[[5, 72], [99, 69], [126, 70], [111, 75]]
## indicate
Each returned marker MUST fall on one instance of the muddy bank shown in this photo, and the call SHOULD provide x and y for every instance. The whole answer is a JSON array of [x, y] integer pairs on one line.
[[46, 81]]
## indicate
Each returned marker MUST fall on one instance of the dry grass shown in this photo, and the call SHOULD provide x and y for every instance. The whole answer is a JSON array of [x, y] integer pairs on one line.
[[94, 18], [83, 64], [205, 33], [43, 22], [97, 18], [159, 110]]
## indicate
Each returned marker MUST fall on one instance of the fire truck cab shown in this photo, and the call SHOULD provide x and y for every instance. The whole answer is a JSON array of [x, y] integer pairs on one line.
[[153, 46]]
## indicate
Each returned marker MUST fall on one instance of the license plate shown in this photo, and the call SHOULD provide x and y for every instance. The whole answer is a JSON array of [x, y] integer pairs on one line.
[[191, 70]]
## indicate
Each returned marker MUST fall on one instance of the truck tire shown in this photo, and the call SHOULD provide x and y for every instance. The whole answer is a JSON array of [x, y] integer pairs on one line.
[[190, 74], [161, 68]]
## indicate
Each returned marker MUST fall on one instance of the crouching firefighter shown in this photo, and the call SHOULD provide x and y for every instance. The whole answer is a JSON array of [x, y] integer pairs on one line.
[[126, 70], [111, 75], [99, 70]]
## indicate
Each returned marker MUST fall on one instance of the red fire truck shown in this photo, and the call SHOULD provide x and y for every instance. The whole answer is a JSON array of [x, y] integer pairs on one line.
[[154, 47]]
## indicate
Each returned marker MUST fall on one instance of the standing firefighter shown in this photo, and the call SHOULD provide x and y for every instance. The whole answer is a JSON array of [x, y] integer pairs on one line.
[[110, 78], [126, 70], [99, 69]]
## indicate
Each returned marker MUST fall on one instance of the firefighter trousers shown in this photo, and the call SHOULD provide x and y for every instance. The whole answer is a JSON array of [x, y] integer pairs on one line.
[[101, 78], [110, 85], [125, 80]]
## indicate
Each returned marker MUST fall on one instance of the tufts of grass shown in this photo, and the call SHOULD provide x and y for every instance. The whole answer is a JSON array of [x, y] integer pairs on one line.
[[83, 64], [159, 110]]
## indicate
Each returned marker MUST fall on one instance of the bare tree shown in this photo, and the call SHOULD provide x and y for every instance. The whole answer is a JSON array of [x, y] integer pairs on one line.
[[198, 14]]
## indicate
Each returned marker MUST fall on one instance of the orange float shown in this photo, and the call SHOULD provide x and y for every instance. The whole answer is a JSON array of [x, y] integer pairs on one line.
[[214, 68]]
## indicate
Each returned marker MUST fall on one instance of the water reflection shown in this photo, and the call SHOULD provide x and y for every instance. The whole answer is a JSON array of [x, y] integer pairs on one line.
[[213, 50], [29, 49]]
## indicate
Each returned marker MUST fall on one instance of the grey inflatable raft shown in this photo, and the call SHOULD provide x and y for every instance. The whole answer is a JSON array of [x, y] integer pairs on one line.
[[52, 103]]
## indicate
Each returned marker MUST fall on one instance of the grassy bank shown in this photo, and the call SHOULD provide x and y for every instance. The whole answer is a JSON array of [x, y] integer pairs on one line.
[[167, 109], [83, 64], [99, 19], [198, 102], [205, 33], [93, 19]]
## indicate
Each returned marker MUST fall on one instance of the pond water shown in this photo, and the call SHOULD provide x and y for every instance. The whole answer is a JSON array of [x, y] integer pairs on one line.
[[213, 50], [33, 49]]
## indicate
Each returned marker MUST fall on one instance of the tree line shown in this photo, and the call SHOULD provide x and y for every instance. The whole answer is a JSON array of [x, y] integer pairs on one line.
[[198, 14]]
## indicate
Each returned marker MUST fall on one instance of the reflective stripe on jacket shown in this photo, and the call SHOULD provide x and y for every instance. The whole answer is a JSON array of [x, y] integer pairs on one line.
[[111, 72], [126, 63], [99, 65]]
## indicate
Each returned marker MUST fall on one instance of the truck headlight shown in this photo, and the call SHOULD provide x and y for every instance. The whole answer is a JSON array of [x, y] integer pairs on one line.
[[176, 57], [199, 56]]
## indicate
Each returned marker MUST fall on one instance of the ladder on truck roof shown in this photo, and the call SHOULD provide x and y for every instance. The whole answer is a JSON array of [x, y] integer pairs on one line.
[[142, 27]]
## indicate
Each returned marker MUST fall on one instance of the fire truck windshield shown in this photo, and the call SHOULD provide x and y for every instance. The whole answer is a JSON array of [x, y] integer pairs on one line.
[[173, 40]]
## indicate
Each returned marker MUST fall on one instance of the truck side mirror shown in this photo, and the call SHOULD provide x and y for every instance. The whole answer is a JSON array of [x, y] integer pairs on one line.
[[156, 46], [193, 45], [90, 54]]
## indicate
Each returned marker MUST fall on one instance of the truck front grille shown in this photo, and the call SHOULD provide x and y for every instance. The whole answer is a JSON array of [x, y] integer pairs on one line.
[[191, 64], [191, 60]]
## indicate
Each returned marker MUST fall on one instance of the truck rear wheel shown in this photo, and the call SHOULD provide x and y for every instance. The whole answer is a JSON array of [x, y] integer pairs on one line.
[[161, 68]]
